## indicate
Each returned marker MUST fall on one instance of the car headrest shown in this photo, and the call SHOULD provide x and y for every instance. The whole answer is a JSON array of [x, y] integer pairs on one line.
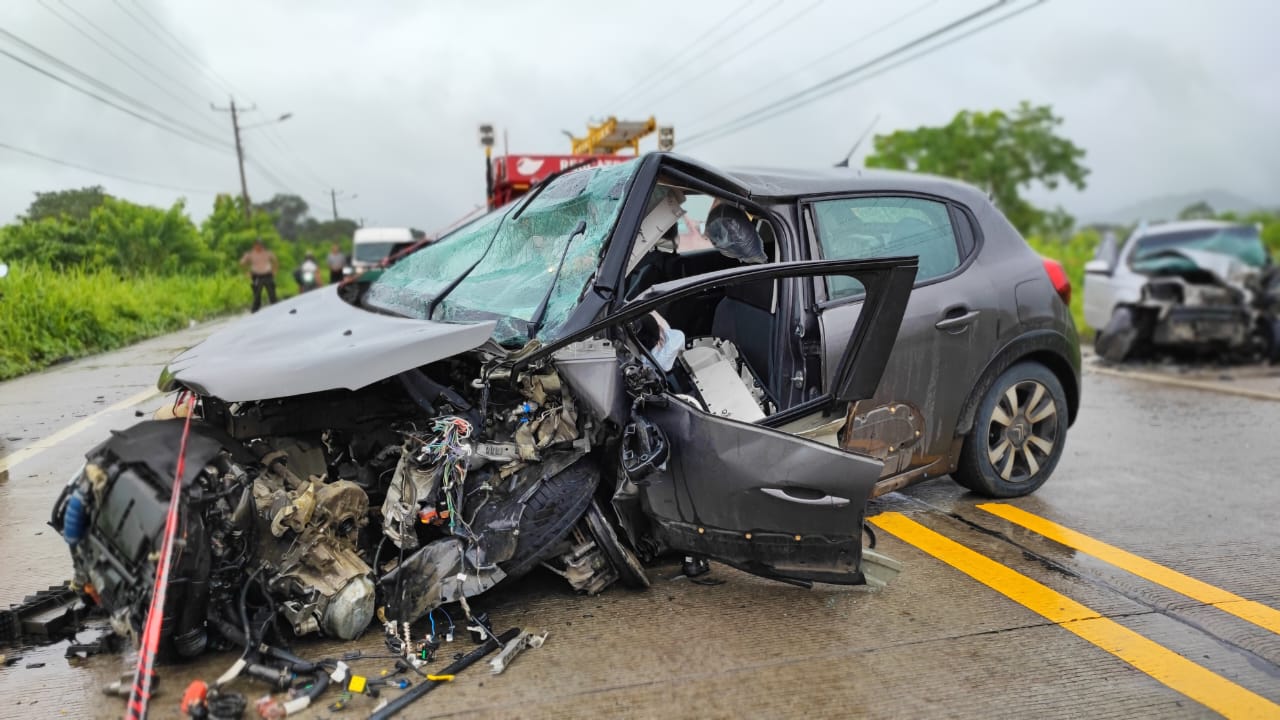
[[734, 235]]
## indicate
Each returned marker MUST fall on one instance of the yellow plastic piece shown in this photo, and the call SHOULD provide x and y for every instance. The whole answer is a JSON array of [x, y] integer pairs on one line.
[[440, 678], [357, 683]]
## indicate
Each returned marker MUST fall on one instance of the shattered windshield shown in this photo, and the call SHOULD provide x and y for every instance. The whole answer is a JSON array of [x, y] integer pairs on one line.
[[1240, 242], [504, 266]]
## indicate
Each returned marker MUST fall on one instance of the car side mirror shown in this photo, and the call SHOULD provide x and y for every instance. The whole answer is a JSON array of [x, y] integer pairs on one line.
[[1097, 267]]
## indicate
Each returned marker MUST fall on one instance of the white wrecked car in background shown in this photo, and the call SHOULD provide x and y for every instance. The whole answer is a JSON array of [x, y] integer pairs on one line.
[[1200, 287]]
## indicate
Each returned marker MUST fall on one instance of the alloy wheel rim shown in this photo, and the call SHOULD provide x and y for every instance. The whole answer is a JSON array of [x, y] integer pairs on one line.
[[1023, 431]]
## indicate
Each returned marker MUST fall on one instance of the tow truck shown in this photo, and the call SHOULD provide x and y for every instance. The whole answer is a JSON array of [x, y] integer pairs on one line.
[[508, 176]]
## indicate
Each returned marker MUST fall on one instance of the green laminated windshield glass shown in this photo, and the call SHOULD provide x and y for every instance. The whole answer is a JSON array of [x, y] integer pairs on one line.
[[505, 266], [1238, 241]]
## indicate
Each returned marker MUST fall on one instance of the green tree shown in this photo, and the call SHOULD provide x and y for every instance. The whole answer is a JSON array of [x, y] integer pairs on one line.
[[230, 235], [54, 242], [288, 213], [119, 235], [1004, 153], [324, 232], [74, 204], [1197, 211], [148, 240]]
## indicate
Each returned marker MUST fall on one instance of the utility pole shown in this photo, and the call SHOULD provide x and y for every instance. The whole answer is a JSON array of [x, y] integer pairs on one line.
[[235, 128], [333, 200]]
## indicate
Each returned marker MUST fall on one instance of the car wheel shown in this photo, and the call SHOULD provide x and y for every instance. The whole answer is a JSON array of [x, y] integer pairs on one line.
[[550, 514], [1017, 435], [1121, 335]]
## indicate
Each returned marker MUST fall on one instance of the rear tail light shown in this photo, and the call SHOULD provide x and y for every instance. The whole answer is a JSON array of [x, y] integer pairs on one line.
[[1058, 276]]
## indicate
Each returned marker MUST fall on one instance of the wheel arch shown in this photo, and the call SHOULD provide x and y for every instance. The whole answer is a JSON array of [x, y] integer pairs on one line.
[[1046, 347]]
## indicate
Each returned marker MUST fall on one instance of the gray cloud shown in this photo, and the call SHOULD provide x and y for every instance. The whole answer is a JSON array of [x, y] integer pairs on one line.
[[386, 96]]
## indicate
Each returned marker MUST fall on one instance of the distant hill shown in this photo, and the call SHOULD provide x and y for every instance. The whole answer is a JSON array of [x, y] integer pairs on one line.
[[1167, 207]]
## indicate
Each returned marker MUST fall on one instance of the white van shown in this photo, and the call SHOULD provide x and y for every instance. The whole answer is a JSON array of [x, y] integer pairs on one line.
[[371, 246]]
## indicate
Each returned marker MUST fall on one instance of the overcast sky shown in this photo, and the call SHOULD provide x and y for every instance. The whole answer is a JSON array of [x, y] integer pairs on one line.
[[1165, 97]]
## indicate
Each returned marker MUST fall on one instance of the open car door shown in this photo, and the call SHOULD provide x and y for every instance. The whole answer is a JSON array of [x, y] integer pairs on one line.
[[750, 496]]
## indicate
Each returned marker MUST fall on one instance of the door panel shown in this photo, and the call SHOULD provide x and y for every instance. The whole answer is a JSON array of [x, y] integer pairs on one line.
[[756, 498], [948, 332], [751, 496]]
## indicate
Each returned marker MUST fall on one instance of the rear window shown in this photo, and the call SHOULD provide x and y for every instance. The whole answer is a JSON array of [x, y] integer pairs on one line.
[[875, 227]]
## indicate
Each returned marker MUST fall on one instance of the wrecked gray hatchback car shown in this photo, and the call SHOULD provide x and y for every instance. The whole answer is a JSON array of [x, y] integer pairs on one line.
[[518, 394]]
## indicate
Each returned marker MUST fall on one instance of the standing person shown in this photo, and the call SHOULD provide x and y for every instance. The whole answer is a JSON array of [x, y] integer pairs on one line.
[[336, 261], [262, 266], [306, 273]]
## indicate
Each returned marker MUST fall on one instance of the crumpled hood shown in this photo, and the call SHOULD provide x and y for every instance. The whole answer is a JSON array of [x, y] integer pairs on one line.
[[311, 343]]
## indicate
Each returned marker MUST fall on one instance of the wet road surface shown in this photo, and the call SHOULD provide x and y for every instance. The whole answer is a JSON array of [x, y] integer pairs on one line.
[[1141, 581]]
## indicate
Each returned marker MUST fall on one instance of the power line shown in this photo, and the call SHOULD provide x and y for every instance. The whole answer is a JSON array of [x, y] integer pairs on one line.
[[176, 45], [103, 173], [177, 82], [277, 139], [181, 45], [750, 45], [826, 87], [704, 48], [266, 173], [104, 87], [673, 59], [756, 90], [105, 101], [179, 51], [120, 58]]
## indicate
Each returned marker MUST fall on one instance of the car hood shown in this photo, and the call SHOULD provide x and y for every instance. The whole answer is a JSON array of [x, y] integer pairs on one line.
[[312, 343]]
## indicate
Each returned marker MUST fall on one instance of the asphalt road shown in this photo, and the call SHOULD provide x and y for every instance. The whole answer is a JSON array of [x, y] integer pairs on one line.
[[1142, 581]]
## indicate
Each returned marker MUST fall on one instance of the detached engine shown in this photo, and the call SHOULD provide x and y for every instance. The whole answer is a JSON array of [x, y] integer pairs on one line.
[[250, 529]]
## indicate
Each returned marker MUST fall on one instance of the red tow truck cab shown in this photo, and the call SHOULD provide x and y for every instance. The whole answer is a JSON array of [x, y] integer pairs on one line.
[[510, 176]]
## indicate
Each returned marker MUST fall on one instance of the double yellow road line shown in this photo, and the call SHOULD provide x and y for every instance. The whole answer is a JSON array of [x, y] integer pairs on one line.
[[1168, 667]]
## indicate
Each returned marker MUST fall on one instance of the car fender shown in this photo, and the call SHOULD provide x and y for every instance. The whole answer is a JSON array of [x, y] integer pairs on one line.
[[1048, 347]]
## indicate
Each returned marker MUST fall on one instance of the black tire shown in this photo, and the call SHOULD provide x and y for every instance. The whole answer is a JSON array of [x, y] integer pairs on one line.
[[1002, 459], [1118, 341], [550, 515]]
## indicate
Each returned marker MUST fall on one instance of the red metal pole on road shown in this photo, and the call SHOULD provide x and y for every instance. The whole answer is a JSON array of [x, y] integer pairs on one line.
[[144, 675]]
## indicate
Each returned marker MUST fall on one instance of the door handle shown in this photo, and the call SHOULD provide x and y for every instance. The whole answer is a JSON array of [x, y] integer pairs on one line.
[[825, 500], [957, 319]]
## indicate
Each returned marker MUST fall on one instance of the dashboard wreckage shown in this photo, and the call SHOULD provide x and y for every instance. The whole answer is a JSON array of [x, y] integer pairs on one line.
[[513, 396]]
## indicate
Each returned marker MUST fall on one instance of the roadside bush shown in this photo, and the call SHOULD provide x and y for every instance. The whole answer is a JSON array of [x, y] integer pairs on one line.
[[48, 315]]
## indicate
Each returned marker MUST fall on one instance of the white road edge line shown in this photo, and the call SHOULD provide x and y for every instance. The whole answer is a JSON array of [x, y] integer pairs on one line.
[[26, 453], [1206, 385]]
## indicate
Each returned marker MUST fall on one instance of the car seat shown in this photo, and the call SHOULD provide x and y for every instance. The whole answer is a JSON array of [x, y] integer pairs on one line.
[[745, 318]]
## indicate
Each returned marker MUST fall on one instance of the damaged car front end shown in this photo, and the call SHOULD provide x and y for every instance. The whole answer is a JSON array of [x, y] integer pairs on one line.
[[1202, 289], [485, 406]]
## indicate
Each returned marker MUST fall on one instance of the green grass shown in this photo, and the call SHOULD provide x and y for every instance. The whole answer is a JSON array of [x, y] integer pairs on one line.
[[47, 315]]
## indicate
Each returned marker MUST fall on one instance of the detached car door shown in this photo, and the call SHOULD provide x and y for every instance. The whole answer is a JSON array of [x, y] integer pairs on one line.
[[750, 496]]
